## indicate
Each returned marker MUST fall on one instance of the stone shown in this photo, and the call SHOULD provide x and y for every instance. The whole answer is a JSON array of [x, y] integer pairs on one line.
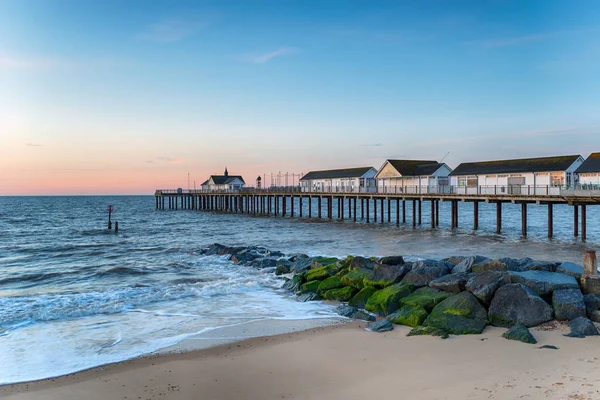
[[466, 265], [355, 278], [453, 283], [421, 276], [341, 294], [590, 284], [515, 304], [432, 263], [568, 304], [592, 301], [454, 260], [363, 316], [594, 315], [296, 257], [217, 249], [582, 327], [360, 299], [515, 264], [539, 266], [310, 287], [386, 301], [543, 282], [459, 314], [294, 283], [383, 325], [521, 333], [264, 263], [484, 285], [590, 263], [275, 254], [283, 267], [333, 282], [304, 297], [361, 263], [570, 268], [241, 258], [352, 312], [489, 265], [429, 331], [302, 264], [320, 273], [385, 275], [323, 261], [391, 260], [408, 315], [425, 297]]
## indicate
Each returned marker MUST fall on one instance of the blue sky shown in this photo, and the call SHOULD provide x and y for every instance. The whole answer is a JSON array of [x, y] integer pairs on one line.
[[133, 95]]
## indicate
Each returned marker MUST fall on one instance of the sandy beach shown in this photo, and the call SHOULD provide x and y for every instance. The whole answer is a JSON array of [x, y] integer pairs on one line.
[[346, 362]]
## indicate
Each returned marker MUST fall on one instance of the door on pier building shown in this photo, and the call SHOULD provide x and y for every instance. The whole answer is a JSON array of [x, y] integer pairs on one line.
[[515, 184]]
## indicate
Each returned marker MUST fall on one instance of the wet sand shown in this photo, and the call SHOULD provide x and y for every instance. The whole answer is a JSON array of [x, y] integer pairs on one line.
[[346, 362]]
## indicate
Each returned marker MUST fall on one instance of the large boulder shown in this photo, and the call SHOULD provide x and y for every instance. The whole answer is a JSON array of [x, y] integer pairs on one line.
[[218, 249], [294, 283], [428, 330], [408, 315], [453, 283], [543, 282], [354, 313], [432, 263], [515, 304], [391, 260], [489, 265], [320, 273], [360, 299], [484, 285], [515, 264], [570, 268], [308, 296], [521, 333], [301, 265], [421, 276], [242, 258], [568, 304], [425, 297], [383, 325], [310, 287], [356, 277], [333, 282], [296, 257], [459, 314], [582, 327], [264, 262], [385, 275], [535, 265], [361, 263], [466, 265], [592, 302], [341, 294], [454, 260], [386, 301], [283, 267]]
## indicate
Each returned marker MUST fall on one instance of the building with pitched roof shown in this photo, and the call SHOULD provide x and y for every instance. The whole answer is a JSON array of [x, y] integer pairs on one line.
[[413, 176], [224, 182], [589, 171], [517, 176], [347, 180]]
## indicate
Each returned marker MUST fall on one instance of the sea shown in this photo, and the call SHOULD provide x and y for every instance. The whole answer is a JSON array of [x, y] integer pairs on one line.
[[76, 295]]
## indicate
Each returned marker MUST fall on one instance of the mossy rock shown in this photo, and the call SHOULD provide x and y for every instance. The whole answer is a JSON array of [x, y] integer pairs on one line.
[[385, 275], [333, 282], [342, 272], [386, 301], [460, 314], [345, 263], [294, 283], [426, 298], [355, 278], [310, 287], [521, 333], [361, 298], [323, 261], [342, 294], [408, 315], [320, 273], [489, 265], [429, 331], [308, 297]]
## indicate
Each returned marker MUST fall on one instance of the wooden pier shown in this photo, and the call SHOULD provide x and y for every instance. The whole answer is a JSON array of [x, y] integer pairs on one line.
[[374, 207]]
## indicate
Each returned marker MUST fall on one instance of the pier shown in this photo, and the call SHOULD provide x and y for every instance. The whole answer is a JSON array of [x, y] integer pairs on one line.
[[377, 207]]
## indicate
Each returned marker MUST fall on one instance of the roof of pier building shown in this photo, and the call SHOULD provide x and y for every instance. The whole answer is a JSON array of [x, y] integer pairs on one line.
[[591, 164], [393, 168], [337, 173], [542, 164], [222, 179]]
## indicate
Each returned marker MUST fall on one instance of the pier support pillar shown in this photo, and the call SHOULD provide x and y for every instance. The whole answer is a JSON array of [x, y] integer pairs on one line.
[[583, 222], [414, 212], [382, 212], [437, 213], [397, 211], [475, 215], [319, 206], [550, 221], [300, 205], [309, 206], [419, 205], [362, 208], [354, 211], [389, 201], [575, 220], [498, 218], [292, 206], [367, 209], [403, 211], [524, 219], [590, 263], [283, 206], [374, 209], [432, 213], [330, 203]]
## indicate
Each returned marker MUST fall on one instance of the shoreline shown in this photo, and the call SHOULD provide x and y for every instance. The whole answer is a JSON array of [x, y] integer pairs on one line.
[[344, 361]]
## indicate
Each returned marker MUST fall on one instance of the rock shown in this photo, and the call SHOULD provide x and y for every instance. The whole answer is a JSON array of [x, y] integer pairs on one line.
[[283, 267], [453, 283], [590, 284], [582, 327], [543, 282], [484, 285], [516, 303], [466, 265], [218, 249], [592, 302], [570, 268], [421, 276], [386, 301], [383, 325], [324, 261], [408, 315], [310, 287], [333, 282], [454, 260], [428, 330], [275, 254], [302, 264], [361, 298], [264, 263], [521, 333], [241, 258], [341, 294], [425, 297], [296, 257], [391, 260], [308, 297], [548, 346], [568, 304], [361, 263], [594, 315], [539, 266], [294, 283], [352, 312], [385, 275], [320, 273], [459, 314], [432, 263], [363, 316], [489, 265], [355, 278]]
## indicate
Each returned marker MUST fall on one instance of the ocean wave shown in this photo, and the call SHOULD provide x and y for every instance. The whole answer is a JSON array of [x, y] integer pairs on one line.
[[124, 271]]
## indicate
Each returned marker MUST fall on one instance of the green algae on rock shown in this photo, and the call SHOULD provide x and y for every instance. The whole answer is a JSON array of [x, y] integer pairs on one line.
[[361, 298], [333, 282], [460, 314], [355, 278], [342, 294], [429, 331], [408, 315], [386, 301], [310, 287], [426, 298]]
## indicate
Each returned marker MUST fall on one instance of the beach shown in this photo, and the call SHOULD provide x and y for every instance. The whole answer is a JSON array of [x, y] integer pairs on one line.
[[346, 362]]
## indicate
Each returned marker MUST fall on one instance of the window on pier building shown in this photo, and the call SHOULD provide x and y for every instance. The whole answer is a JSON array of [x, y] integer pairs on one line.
[[557, 178]]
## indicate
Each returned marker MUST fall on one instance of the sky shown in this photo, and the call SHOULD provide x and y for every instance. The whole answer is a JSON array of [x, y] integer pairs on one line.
[[125, 97]]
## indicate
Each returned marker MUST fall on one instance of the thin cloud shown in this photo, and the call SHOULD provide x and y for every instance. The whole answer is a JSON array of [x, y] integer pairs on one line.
[[171, 30], [15, 62], [372, 145], [168, 160], [513, 41], [33, 145], [263, 58]]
